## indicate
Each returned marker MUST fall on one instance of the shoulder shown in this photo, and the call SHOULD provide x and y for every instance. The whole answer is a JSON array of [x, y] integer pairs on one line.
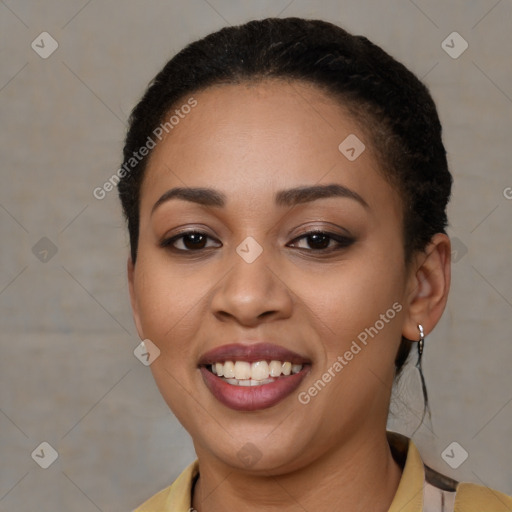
[[423, 488], [177, 497], [157, 502], [477, 498], [465, 496]]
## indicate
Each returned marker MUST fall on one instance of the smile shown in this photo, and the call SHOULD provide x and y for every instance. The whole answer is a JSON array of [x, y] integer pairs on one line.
[[243, 373], [252, 377]]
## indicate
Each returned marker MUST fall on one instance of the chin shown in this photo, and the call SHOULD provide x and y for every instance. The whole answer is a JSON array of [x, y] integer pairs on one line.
[[254, 450]]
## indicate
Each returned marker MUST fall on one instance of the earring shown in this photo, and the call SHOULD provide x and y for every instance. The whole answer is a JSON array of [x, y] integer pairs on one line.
[[421, 343]]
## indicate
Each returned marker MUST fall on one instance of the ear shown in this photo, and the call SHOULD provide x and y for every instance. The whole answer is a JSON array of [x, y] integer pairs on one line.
[[133, 297], [428, 287]]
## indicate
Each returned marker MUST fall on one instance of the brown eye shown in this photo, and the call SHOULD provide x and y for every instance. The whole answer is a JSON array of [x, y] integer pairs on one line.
[[190, 241], [318, 241]]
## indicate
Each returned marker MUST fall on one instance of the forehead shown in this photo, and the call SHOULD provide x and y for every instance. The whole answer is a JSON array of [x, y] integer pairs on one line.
[[251, 138], [277, 113]]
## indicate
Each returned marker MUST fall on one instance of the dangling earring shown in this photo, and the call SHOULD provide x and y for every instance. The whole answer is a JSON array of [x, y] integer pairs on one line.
[[421, 343]]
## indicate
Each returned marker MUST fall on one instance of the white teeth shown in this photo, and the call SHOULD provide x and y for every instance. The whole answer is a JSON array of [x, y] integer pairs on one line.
[[242, 370], [259, 370], [296, 368], [259, 382], [275, 368], [248, 382], [243, 373], [229, 369]]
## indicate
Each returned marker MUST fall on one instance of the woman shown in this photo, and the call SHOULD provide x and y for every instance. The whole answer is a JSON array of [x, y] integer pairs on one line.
[[285, 186]]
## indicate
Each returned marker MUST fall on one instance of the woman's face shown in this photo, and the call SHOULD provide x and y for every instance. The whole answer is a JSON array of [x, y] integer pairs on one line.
[[251, 286]]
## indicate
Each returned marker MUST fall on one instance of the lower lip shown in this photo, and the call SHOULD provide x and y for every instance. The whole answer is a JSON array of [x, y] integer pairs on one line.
[[252, 398]]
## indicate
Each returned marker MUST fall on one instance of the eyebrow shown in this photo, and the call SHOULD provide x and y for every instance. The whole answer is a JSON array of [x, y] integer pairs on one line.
[[290, 197]]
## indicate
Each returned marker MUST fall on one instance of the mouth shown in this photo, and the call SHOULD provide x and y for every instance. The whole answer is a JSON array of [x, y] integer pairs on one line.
[[252, 377]]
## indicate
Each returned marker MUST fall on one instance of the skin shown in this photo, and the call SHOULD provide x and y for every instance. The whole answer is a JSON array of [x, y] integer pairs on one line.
[[248, 142]]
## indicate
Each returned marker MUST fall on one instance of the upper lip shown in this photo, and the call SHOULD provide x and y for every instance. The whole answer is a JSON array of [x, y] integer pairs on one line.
[[251, 353]]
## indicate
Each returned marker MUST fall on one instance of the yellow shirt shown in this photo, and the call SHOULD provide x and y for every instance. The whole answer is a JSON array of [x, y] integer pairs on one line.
[[409, 496]]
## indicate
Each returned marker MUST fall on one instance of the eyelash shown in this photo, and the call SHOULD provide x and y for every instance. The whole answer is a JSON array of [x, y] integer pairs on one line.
[[342, 241]]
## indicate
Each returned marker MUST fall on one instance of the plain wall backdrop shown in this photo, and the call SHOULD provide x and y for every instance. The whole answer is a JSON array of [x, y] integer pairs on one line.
[[67, 369]]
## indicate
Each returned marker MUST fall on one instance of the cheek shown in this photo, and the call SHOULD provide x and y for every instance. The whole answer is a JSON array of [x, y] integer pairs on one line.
[[357, 307], [169, 298], [353, 296], [357, 312]]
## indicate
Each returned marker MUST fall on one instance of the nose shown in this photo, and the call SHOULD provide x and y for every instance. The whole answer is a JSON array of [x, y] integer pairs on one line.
[[252, 293]]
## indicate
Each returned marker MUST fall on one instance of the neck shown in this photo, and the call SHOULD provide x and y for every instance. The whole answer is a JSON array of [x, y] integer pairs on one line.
[[361, 475]]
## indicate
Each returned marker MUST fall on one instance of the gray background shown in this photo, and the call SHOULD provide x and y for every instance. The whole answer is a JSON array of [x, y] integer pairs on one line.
[[67, 369]]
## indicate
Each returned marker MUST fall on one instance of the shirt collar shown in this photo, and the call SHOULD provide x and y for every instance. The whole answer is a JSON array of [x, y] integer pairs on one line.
[[409, 495]]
